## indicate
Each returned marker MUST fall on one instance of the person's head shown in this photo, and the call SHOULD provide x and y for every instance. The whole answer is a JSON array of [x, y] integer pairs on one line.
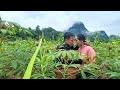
[[69, 38], [80, 40]]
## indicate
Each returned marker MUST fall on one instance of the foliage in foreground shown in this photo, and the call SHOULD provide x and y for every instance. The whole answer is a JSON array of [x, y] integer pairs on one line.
[[15, 56]]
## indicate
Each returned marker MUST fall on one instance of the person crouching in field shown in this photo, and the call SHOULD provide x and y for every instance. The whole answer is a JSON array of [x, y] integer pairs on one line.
[[85, 49], [68, 44]]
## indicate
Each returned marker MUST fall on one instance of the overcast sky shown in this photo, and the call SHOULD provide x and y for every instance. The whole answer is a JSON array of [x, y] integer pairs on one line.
[[108, 21]]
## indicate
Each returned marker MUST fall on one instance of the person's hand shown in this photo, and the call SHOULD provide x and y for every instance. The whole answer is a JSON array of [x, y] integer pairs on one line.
[[88, 60], [85, 59]]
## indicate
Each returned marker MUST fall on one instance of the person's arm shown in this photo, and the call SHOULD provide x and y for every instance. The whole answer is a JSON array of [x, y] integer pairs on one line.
[[90, 57], [60, 46], [91, 54]]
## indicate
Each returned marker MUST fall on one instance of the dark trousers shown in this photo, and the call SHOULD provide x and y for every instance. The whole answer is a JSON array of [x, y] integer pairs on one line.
[[79, 76], [73, 62]]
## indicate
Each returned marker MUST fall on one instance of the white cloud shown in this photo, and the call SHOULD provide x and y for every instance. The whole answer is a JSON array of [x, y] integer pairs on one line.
[[62, 20]]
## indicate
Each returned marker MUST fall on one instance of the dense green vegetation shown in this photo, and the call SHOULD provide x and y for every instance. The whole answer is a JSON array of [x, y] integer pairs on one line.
[[19, 50], [13, 30]]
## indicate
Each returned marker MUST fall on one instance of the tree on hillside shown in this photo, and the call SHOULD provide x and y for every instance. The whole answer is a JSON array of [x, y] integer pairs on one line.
[[50, 33], [38, 32], [0, 19]]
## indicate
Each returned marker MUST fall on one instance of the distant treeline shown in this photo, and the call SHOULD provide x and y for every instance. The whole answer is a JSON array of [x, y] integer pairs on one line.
[[13, 30]]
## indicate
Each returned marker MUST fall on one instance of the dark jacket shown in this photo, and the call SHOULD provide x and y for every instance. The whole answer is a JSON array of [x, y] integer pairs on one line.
[[67, 47]]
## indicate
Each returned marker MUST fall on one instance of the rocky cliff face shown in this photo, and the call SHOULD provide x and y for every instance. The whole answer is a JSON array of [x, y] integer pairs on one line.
[[114, 36], [79, 28]]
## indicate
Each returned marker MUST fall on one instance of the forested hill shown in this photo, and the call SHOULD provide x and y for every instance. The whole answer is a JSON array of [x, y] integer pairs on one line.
[[13, 30]]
